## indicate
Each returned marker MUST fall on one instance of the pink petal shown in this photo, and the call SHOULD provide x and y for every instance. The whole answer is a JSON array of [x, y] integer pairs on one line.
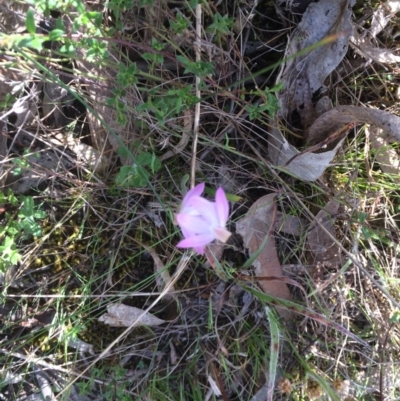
[[194, 224], [222, 207], [187, 233], [206, 209], [222, 233], [200, 250], [196, 191], [196, 241]]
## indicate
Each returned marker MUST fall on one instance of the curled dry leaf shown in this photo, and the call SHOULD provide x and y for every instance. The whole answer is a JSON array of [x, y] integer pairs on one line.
[[307, 166], [339, 116], [321, 245], [254, 227], [310, 166], [120, 315], [304, 74]]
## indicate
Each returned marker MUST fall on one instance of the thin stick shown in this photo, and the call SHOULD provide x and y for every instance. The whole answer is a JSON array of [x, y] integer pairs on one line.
[[197, 107]]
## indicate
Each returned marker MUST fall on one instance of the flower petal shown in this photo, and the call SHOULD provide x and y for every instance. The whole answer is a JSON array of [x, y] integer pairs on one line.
[[199, 250], [222, 206], [196, 191], [206, 209], [222, 234], [196, 241], [193, 224], [187, 233]]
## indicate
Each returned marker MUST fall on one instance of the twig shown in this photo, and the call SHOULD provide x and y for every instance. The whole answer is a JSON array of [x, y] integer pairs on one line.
[[197, 107]]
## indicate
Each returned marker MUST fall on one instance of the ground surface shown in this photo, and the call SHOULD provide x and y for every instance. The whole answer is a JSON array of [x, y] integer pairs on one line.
[[110, 113]]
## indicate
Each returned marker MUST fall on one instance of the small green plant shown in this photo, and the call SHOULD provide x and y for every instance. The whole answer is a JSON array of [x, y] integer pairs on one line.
[[269, 104], [21, 164], [87, 27], [155, 58], [180, 24], [16, 226], [126, 76], [138, 173], [198, 68], [7, 102], [221, 25], [169, 104], [28, 216]]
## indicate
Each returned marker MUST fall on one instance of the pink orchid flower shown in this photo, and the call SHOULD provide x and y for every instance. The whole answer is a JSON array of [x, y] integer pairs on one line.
[[202, 221]]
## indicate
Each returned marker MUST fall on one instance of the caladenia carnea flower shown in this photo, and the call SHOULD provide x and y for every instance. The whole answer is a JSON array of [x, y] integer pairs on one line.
[[202, 221]]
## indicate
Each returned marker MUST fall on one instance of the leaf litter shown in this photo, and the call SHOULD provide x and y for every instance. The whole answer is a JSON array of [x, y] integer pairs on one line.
[[257, 228], [322, 245], [326, 29], [120, 315]]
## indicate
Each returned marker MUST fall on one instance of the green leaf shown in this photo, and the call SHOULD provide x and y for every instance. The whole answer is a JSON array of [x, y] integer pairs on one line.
[[13, 230], [96, 16], [156, 58], [30, 21], [132, 176], [68, 48], [199, 68], [27, 207], [194, 3], [156, 45], [60, 24], [221, 24], [8, 251], [33, 42], [40, 214], [15, 257], [56, 34], [12, 198], [149, 159], [123, 151], [180, 25], [30, 227], [277, 87]]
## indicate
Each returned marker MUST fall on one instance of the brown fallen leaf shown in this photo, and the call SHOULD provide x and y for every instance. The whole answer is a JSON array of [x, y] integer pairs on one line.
[[321, 245], [120, 315], [287, 224], [254, 227]]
